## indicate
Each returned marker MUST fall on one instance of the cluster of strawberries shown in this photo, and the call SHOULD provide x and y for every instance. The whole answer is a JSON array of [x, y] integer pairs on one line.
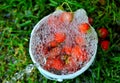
[[64, 17], [103, 34], [60, 56]]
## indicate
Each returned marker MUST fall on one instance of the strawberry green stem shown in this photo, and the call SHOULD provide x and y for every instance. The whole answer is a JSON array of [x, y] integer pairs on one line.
[[61, 6]]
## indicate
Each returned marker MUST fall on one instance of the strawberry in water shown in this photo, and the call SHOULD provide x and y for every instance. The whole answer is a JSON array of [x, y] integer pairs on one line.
[[57, 64], [48, 64], [67, 50], [52, 44], [54, 64], [84, 27], [77, 53], [66, 17], [59, 37]]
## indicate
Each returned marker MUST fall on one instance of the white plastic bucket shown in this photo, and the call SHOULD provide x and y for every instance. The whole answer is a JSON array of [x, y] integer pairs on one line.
[[52, 76]]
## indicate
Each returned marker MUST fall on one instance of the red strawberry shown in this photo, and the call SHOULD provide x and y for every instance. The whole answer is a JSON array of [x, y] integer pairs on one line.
[[54, 63], [76, 52], [54, 52], [57, 64], [59, 37], [84, 27], [66, 17], [67, 50], [52, 44], [105, 45], [90, 20], [48, 64], [103, 32]]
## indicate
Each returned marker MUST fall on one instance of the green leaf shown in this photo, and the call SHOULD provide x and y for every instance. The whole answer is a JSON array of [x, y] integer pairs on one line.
[[53, 3], [116, 59]]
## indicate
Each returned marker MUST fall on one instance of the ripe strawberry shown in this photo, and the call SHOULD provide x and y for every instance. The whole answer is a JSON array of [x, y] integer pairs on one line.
[[54, 63], [67, 50], [48, 64], [90, 20], [76, 52], [102, 32], [52, 44], [84, 27], [57, 64], [59, 37], [66, 17], [105, 45]]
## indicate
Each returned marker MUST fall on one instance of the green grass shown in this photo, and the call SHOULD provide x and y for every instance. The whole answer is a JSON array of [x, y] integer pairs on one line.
[[17, 19]]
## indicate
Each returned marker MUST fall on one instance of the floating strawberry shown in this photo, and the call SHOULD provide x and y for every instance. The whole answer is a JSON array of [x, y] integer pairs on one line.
[[57, 64], [102, 32], [105, 45], [54, 64], [76, 52], [48, 64], [67, 50], [66, 17], [59, 37], [84, 27], [52, 43]]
